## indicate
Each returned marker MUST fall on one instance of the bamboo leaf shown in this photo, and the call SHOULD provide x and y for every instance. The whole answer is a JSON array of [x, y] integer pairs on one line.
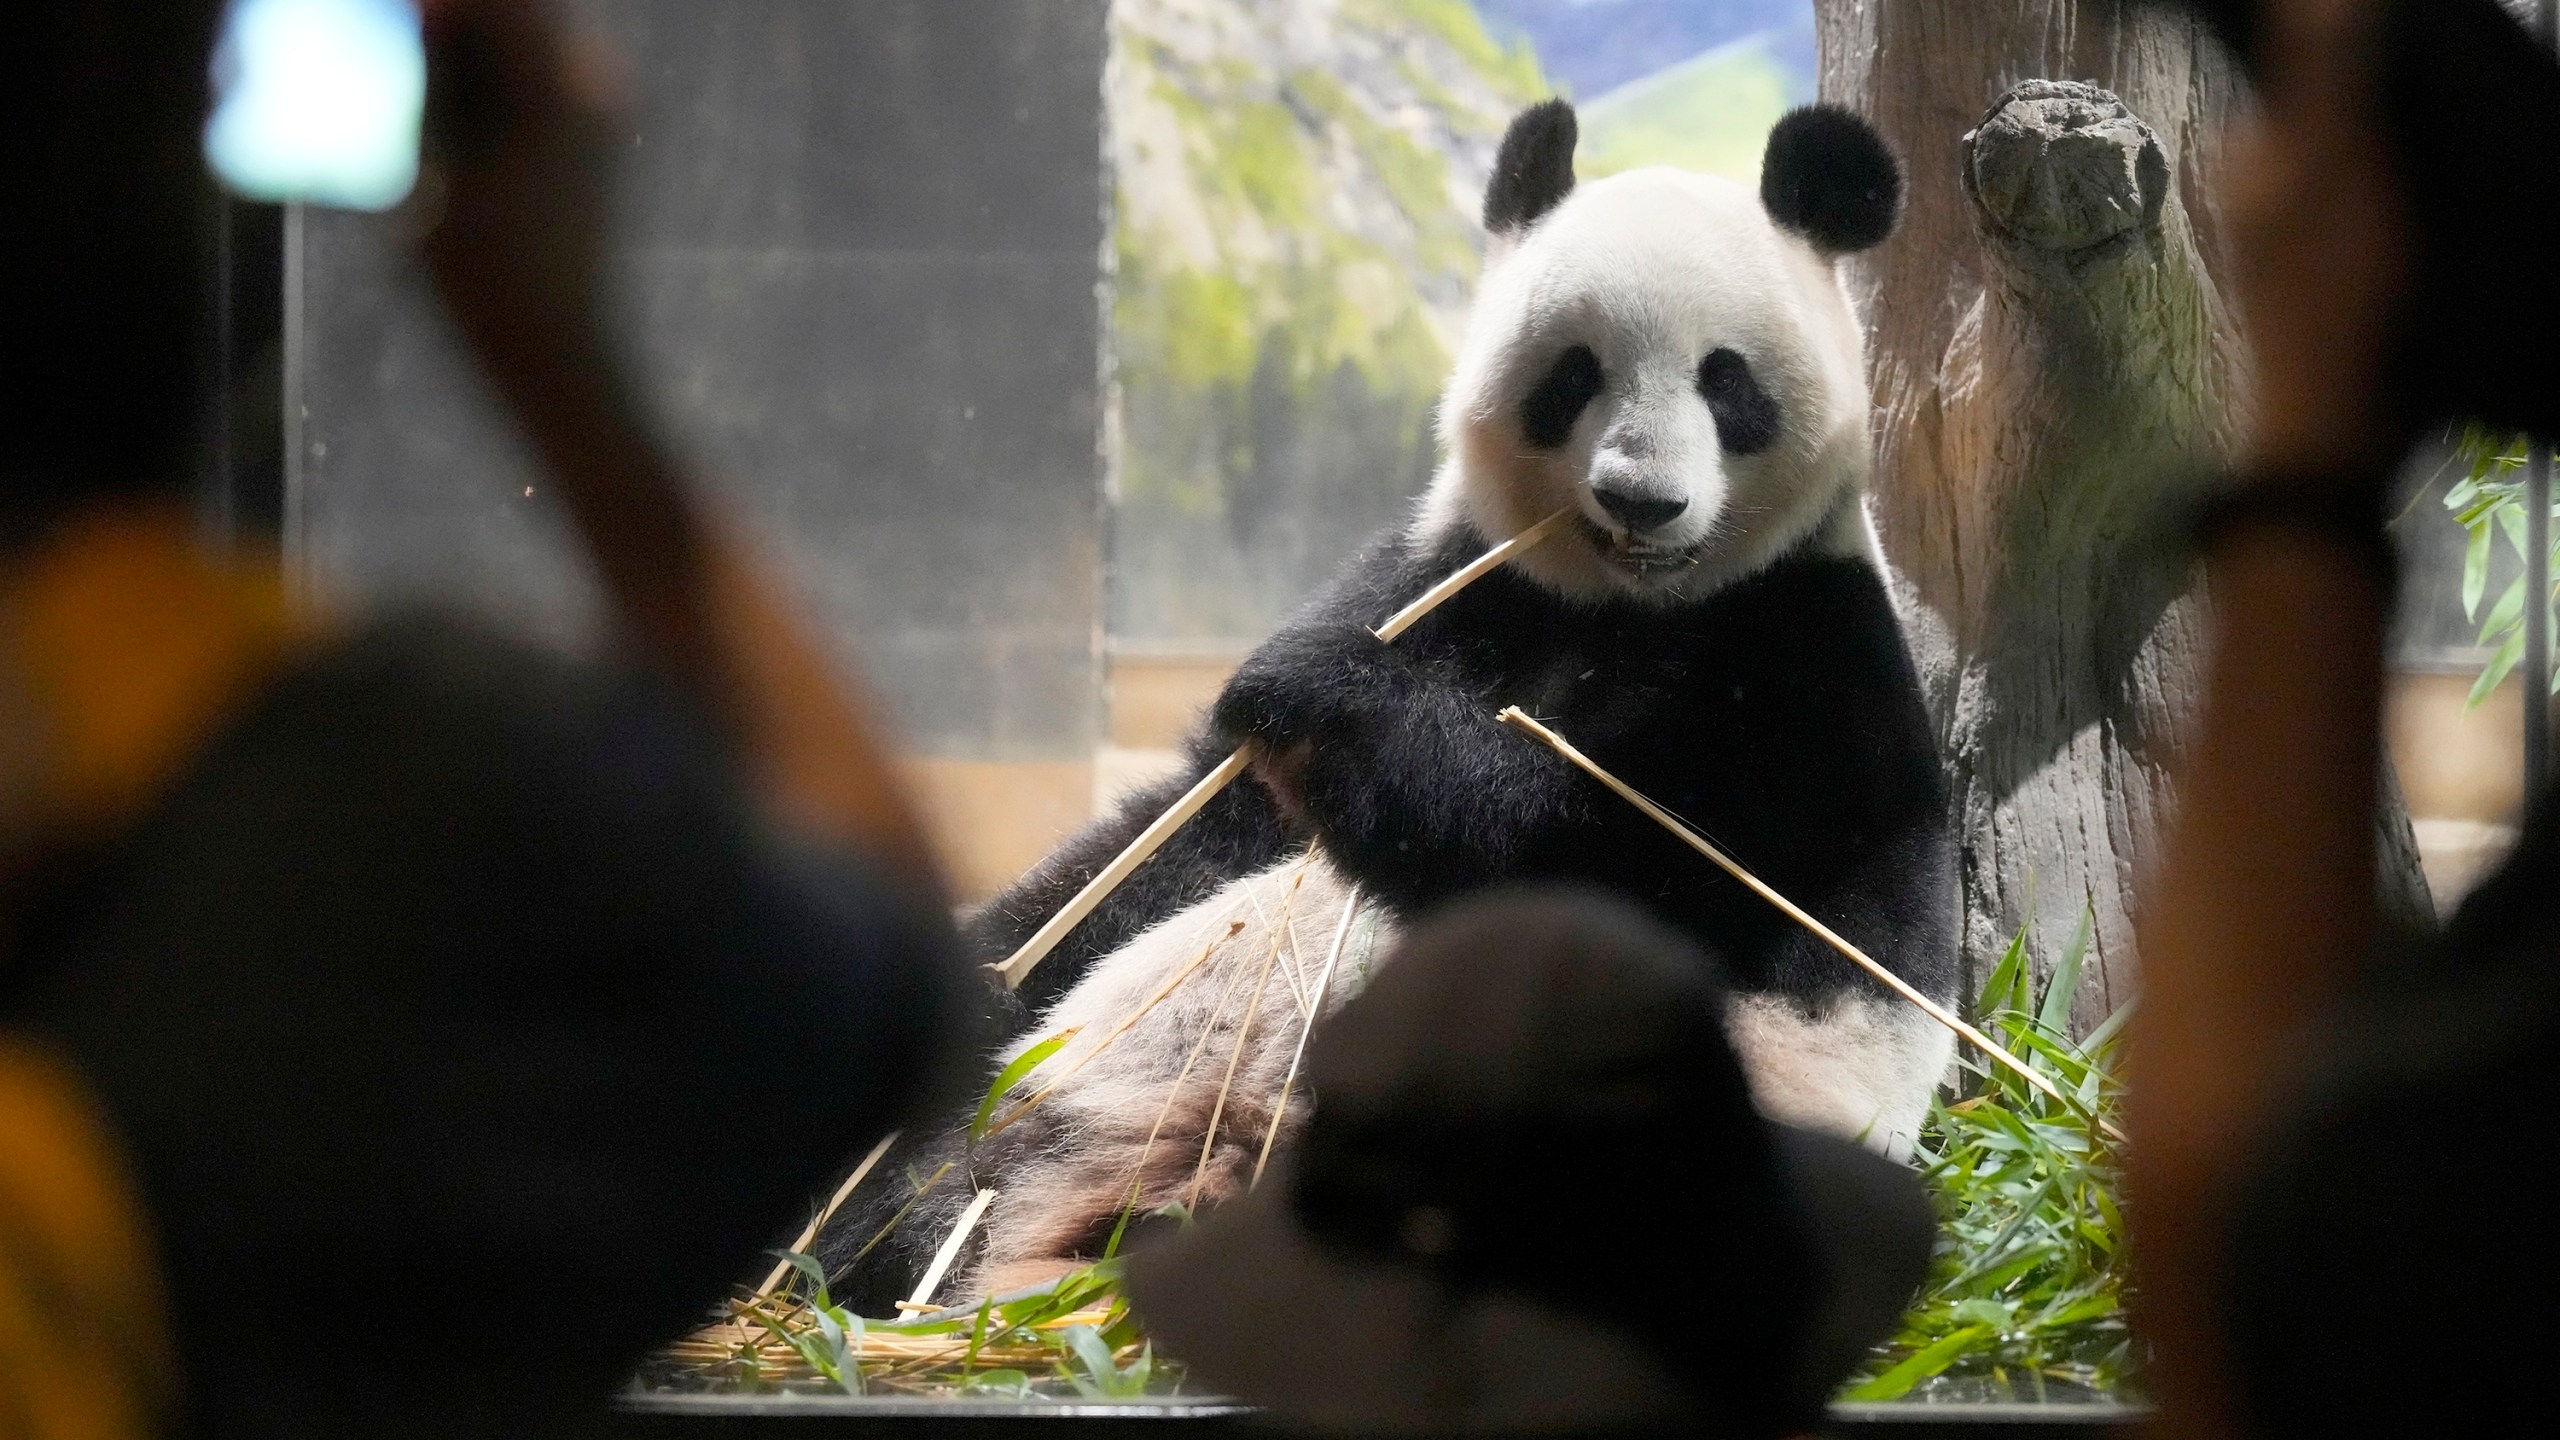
[[2026, 1279], [1011, 1384], [2497, 668], [2064, 988], [808, 1268], [1011, 1075], [2504, 615], [1087, 1344], [2475, 571], [2107, 1031], [978, 1332], [1929, 1362], [1119, 1228], [2003, 978]]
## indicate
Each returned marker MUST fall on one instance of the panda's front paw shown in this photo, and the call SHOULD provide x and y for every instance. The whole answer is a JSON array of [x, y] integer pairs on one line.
[[1301, 687], [1258, 705], [1282, 771]]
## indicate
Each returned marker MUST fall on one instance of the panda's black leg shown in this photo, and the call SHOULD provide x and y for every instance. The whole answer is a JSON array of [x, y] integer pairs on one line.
[[874, 1254]]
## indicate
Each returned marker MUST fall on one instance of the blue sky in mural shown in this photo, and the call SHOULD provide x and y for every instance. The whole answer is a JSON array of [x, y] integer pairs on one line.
[[1685, 82]]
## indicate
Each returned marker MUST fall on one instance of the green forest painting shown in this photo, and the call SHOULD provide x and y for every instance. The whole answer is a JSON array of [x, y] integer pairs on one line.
[[1295, 243]]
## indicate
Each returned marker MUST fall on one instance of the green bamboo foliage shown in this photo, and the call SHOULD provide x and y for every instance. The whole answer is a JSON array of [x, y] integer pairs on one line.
[[2489, 502], [2025, 1297]]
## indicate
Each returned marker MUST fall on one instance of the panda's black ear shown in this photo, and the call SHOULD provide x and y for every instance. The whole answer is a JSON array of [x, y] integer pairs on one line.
[[1829, 177], [1533, 171]]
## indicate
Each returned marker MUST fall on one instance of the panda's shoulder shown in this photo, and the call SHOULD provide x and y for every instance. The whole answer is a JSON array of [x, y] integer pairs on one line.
[[1814, 614], [1843, 595]]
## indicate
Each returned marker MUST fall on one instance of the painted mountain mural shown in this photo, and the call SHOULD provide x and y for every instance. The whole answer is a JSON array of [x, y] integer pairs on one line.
[[1295, 242]]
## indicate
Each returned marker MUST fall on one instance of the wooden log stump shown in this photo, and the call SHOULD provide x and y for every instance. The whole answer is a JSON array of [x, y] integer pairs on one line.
[[2055, 370]]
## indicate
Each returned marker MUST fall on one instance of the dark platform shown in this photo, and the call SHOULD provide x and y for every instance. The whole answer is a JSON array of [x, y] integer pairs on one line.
[[828, 1418]]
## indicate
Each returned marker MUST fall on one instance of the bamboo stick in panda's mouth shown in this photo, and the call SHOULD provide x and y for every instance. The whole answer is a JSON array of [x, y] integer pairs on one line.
[[1197, 798]]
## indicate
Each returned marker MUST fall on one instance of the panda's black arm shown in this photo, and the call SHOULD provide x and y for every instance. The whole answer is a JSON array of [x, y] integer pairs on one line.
[[1239, 833], [1893, 896], [1412, 785]]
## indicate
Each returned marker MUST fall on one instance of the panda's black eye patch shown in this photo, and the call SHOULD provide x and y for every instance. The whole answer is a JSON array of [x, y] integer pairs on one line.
[[1571, 384], [1746, 416]]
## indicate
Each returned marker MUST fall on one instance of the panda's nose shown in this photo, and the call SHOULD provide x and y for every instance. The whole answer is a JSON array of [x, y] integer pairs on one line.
[[1637, 511]]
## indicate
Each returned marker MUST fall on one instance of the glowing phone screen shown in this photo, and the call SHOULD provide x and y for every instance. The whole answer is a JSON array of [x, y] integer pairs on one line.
[[318, 100]]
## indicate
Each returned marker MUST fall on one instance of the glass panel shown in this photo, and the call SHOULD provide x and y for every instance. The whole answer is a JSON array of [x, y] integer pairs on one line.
[[959, 299], [859, 264], [2457, 704], [1297, 242]]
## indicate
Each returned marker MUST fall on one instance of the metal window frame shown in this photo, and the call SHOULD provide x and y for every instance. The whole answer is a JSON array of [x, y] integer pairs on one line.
[[2536, 666], [816, 1417]]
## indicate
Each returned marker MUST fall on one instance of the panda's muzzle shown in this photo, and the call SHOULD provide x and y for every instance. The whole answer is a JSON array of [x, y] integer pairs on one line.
[[1643, 496], [1627, 552], [1639, 511]]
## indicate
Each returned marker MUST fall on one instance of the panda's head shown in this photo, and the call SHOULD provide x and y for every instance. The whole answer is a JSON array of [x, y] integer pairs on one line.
[[1672, 356]]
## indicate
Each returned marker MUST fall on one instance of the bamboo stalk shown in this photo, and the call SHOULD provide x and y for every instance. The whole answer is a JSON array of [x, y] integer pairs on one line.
[[1253, 1006], [809, 1236], [1151, 839], [950, 1250], [1513, 715], [1315, 1012], [1297, 992], [1099, 888], [1474, 570]]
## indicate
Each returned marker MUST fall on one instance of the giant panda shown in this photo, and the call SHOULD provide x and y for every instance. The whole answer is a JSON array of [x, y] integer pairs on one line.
[[1674, 358]]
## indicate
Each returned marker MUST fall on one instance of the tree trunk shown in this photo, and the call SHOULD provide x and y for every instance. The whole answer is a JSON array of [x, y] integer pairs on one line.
[[2053, 365]]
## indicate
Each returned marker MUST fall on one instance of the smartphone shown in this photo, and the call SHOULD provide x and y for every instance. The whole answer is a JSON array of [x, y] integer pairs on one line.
[[318, 101]]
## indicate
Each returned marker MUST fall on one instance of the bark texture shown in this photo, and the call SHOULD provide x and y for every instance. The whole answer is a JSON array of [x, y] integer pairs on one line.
[[2053, 365]]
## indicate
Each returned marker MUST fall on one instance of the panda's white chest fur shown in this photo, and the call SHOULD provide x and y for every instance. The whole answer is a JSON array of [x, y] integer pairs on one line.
[[1178, 1074], [1196, 1096]]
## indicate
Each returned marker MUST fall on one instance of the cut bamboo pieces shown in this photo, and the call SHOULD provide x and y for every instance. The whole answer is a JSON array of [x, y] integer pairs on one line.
[[1513, 715], [1280, 938], [757, 1328], [1151, 839], [1315, 1012], [950, 1250]]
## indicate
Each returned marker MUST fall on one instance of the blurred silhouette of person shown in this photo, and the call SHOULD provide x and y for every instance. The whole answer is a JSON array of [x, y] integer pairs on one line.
[[1530, 1122], [400, 1030], [2327, 1236]]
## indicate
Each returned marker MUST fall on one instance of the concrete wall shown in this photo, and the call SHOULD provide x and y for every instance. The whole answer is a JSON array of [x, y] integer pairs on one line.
[[861, 263]]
